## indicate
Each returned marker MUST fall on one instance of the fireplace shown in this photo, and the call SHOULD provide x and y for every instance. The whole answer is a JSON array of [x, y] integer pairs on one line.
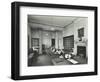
[[81, 51]]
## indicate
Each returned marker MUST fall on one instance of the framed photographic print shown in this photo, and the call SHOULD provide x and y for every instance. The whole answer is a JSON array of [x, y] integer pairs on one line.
[[53, 40]]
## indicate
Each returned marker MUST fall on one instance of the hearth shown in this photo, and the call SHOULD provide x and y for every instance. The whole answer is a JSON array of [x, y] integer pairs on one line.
[[81, 51]]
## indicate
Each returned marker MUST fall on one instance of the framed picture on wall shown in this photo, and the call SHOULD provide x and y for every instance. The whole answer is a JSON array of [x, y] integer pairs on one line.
[[53, 40]]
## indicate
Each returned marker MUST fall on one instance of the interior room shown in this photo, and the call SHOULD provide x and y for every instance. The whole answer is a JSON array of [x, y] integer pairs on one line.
[[57, 40]]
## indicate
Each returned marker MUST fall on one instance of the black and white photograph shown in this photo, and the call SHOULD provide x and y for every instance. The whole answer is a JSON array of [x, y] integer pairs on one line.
[[53, 40], [57, 40]]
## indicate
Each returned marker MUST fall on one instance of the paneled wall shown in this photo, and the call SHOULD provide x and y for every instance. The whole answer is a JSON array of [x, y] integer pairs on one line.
[[72, 29], [29, 37], [46, 36]]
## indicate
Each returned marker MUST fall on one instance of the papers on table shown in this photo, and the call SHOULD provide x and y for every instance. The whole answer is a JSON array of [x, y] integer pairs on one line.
[[73, 61]]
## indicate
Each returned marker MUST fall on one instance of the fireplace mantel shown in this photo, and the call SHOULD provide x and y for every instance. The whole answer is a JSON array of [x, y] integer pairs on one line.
[[81, 51]]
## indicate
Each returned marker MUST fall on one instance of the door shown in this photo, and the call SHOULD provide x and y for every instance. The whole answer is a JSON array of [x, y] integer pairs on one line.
[[52, 42]]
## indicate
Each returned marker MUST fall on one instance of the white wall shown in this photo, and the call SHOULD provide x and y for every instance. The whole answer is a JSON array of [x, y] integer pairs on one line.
[[67, 31], [29, 35], [72, 29], [60, 40], [80, 23], [46, 36], [5, 41]]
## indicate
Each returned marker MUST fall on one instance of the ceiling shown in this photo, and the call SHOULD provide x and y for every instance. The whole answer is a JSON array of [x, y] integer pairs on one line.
[[50, 22]]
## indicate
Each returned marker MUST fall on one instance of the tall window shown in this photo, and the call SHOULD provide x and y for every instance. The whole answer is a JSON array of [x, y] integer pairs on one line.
[[68, 42], [35, 42]]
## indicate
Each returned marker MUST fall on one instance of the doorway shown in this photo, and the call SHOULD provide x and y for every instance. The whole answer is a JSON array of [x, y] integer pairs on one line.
[[52, 42]]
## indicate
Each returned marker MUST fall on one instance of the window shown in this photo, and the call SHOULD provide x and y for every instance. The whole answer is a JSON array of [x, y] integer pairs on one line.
[[68, 42], [35, 42]]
